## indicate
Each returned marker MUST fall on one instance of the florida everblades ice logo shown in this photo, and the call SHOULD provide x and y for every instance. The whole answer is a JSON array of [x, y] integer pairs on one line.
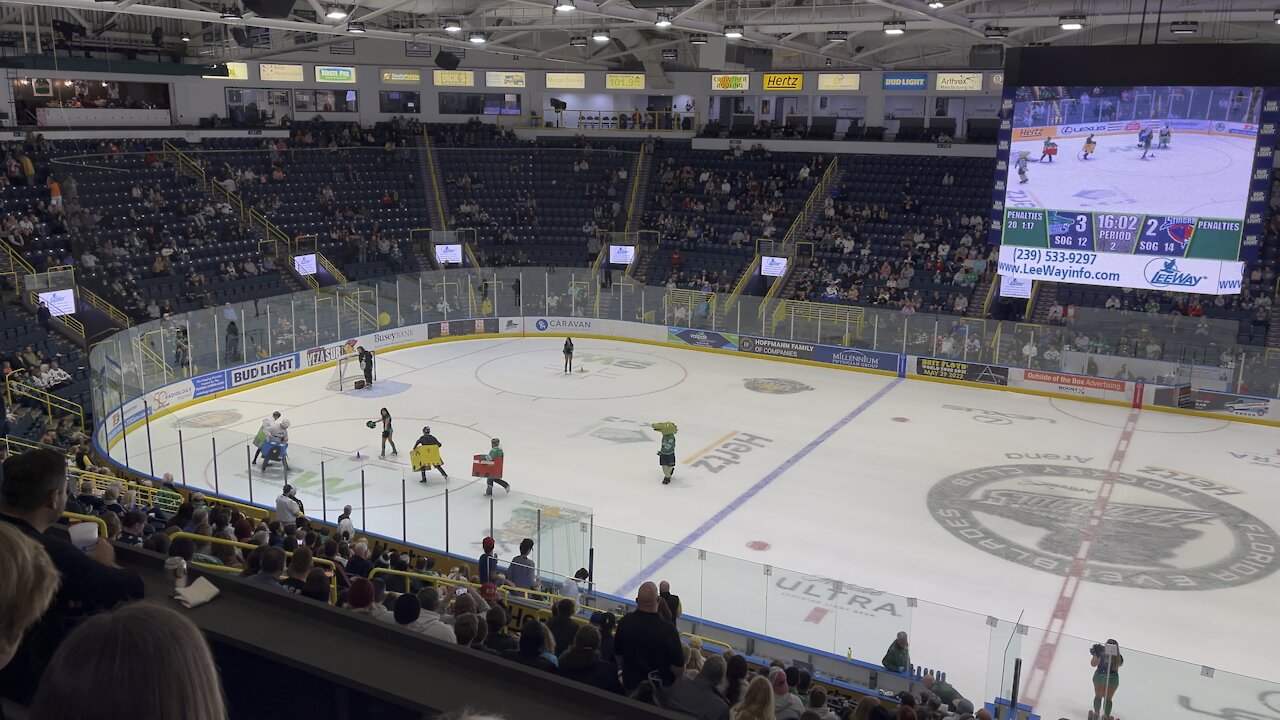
[[1161, 530]]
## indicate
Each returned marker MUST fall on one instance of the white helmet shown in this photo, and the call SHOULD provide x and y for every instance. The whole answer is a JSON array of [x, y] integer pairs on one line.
[[284, 423]]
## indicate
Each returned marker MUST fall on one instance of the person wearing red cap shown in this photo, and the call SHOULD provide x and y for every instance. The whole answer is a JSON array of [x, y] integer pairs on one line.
[[488, 562]]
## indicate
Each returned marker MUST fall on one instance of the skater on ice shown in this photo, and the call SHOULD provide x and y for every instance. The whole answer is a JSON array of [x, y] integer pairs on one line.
[[1146, 143], [489, 467], [426, 454], [1107, 661], [268, 424], [1050, 149], [1090, 147], [568, 354], [667, 452], [365, 358], [1023, 158], [276, 446], [387, 433], [1165, 135]]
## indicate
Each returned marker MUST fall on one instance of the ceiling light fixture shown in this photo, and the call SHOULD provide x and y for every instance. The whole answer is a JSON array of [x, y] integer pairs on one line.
[[1185, 27], [996, 31], [578, 41], [669, 55], [698, 39], [566, 6], [452, 26], [600, 35], [355, 27], [1277, 17], [1071, 22], [336, 12], [186, 37], [937, 4], [664, 20], [733, 32], [1038, 44], [476, 37], [837, 36], [895, 27], [828, 62], [231, 13]]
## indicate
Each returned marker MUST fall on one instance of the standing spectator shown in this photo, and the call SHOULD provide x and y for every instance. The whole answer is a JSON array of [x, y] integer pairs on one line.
[[646, 643], [582, 662], [701, 697], [43, 315], [671, 601], [786, 705], [287, 508], [523, 571], [104, 666], [898, 657], [757, 701], [346, 528], [569, 587], [488, 561], [562, 626], [32, 496]]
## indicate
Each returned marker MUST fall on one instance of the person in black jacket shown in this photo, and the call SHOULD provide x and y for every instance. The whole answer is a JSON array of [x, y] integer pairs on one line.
[[32, 497], [365, 358], [582, 662], [429, 439], [535, 645], [562, 626]]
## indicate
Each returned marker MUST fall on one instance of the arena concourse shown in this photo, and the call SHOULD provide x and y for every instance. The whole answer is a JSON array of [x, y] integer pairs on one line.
[[745, 361]]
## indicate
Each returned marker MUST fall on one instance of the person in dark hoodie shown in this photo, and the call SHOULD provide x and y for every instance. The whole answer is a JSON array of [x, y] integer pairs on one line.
[[535, 643], [562, 626], [582, 662]]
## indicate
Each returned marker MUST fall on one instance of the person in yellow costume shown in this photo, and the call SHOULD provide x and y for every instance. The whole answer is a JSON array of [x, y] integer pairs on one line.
[[426, 454]]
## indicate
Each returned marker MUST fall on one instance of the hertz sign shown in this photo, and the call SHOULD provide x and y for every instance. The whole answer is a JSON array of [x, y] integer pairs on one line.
[[783, 81]]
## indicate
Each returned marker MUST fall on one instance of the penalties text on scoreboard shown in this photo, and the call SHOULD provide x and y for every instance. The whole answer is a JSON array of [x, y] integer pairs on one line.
[[1120, 232]]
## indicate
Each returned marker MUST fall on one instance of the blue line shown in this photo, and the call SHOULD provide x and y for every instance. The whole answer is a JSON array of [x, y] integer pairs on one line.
[[766, 481]]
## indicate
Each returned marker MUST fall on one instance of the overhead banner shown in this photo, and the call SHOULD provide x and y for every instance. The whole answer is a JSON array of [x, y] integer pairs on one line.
[[839, 81], [1084, 267], [905, 81], [335, 74], [235, 71], [566, 81], [504, 79], [783, 81], [454, 78], [280, 72], [958, 81], [401, 76], [731, 83], [624, 81]]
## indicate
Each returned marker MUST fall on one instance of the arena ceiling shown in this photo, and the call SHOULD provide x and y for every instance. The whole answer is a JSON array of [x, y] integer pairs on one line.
[[562, 33]]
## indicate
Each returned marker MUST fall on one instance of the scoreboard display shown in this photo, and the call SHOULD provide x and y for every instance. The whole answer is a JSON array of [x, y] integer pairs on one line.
[[1157, 187]]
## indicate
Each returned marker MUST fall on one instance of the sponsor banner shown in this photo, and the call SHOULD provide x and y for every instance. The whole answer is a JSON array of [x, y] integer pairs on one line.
[[592, 326], [401, 76], [511, 325], [1014, 287], [783, 81], [280, 72], [453, 78], [335, 74], [399, 336], [235, 71], [566, 81], [513, 79], [995, 81], [1232, 404], [1151, 272], [851, 357], [702, 338], [1234, 128], [210, 384], [776, 348], [329, 353], [256, 372], [1067, 384], [729, 83], [624, 81], [839, 81], [905, 81], [957, 370], [958, 81], [1082, 130], [1160, 372], [171, 395], [1034, 133], [460, 328]]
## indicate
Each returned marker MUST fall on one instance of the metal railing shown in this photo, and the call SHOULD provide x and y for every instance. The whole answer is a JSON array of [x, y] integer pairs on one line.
[[627, 121], [635, 189], [105, 307], [434, 180], [16, 386]]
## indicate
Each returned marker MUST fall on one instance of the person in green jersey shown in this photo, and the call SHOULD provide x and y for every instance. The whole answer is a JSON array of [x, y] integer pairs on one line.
[[495, 452], [1106, 661], [387, 433], [667, 452]]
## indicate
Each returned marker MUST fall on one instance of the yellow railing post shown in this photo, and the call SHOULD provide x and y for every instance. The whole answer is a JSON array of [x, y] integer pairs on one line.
[[434, 180], [635, 189]]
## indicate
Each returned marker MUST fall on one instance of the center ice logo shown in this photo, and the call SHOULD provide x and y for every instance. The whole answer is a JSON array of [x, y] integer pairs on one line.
[[1161, 529], [1164, 272]]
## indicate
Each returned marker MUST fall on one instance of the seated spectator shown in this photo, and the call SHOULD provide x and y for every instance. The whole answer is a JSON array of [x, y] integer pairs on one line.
[[88, 499], [428, 621], [535, 647], [32, 496], [300, 565], [562, 626], [582, 662], [28, 592], [818, 704], [496, 637], [786, 705], [700, 697], [98, 671], [757, 701], [133, 527], [270, 568]]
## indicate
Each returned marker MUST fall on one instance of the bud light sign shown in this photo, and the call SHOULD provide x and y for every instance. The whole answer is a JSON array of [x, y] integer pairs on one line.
[[264, 370]]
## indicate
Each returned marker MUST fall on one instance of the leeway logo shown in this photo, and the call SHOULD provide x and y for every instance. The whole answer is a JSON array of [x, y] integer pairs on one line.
[[1164, 272]]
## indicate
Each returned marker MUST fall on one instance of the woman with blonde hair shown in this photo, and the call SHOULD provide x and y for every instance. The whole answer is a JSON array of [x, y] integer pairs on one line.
[[757, 702], [862, 711], [106, 669], [30, 583]]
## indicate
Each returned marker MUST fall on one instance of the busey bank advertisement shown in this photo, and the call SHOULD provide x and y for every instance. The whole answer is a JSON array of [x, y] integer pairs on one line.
[[1083, 267]]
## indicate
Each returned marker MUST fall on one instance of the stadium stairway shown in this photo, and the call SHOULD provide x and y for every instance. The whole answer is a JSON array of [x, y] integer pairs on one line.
[[1046, 295], [429, 167], [977, 301]]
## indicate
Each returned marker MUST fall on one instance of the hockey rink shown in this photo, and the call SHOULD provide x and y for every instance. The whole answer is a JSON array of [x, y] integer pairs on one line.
[[831, 508], [1198, 175]]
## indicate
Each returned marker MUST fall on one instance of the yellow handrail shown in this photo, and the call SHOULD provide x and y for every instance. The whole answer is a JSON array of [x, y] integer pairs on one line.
[[333, 269], [157, 361], [1031, 301], [475, 263], [635, 188], [69, 320], [102, 525], [707, 641], [991, 293], [323, 562], [145, 494], [741, 285], [107, 308], [13, 385], [435, 180]]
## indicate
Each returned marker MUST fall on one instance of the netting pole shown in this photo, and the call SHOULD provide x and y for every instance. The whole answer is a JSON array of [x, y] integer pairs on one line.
[[490, 516], [266, 334], [421, 310], [446, 520], [537, 559], [324, 499], [214, 441], [124, 429], [244, 336], [404, 511], [182, 457], [293, 321], [146, 415], [364, 520]]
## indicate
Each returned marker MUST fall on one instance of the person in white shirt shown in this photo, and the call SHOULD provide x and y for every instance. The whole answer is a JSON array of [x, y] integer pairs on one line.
[[57, 376], [346, 528], [569, 587], [287, 510]]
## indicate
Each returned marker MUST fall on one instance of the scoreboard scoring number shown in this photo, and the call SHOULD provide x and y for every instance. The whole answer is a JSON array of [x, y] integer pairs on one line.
[[1156, 245]]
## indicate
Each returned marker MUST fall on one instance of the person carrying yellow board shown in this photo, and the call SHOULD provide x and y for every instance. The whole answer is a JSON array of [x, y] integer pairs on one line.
[[426, 454]]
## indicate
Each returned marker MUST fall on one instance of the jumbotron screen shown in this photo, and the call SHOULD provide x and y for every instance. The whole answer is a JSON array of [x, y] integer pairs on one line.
[[1154, 187]]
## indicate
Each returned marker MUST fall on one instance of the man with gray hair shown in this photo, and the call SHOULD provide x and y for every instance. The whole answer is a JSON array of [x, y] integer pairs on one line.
[[699, 697], [359, 564], [898, 657]]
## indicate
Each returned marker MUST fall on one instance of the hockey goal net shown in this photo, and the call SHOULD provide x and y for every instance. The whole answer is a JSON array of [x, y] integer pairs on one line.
[[345, 374]]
